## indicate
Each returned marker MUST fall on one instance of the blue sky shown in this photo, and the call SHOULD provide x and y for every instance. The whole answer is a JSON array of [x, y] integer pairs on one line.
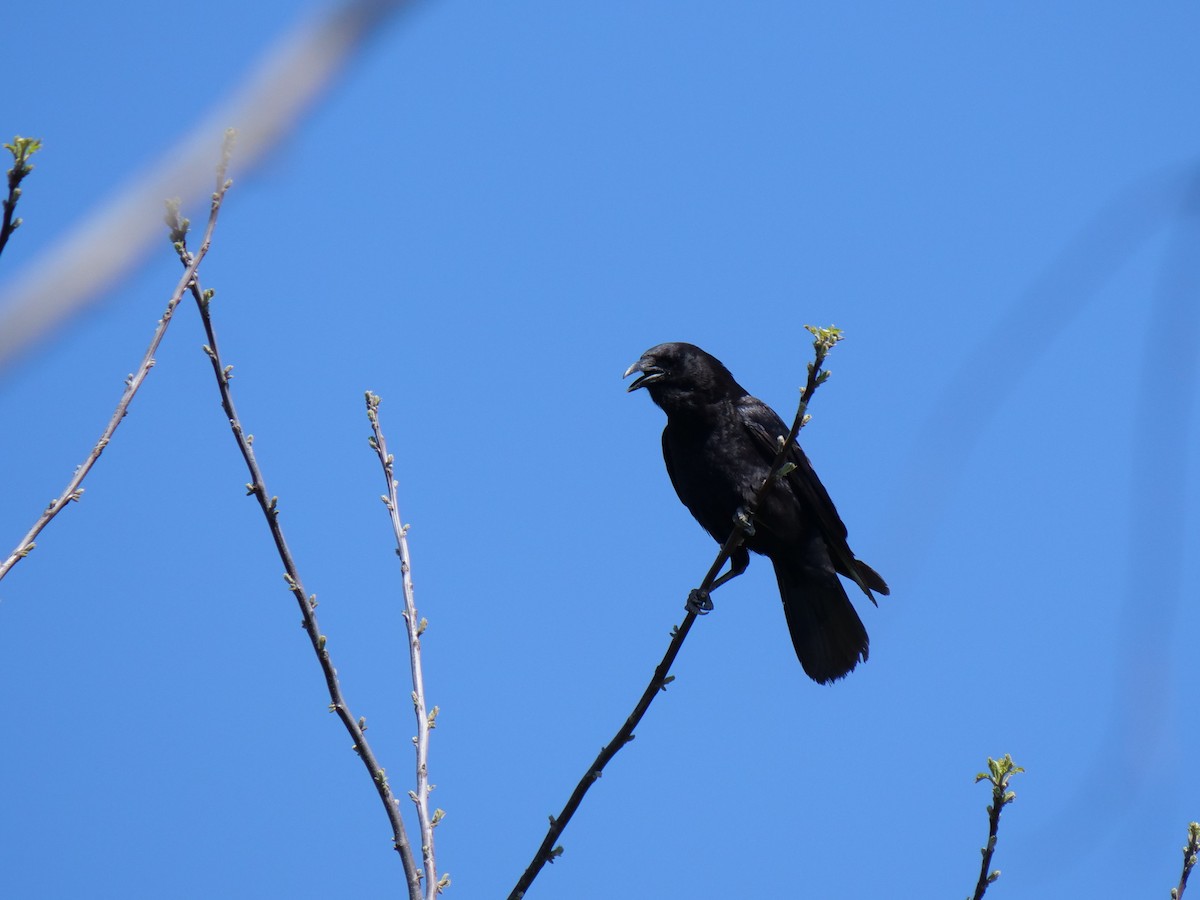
[[493, 213]]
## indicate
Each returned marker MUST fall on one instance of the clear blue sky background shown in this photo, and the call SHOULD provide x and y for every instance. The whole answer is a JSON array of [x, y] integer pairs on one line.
[[495, 212]]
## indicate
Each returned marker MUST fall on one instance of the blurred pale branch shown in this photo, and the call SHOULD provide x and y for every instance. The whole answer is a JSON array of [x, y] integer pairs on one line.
[[698, 603], [308, 603], [265, 109], [21, 149], [1190, 850], [998, 774], [426, 720], [74, 488]]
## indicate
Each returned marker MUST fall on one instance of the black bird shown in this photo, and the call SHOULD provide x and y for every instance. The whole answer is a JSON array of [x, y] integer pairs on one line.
[[718, 445]]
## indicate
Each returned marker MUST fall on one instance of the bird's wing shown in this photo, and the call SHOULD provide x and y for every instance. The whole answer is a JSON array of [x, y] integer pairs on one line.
[[766, 428], [667, 459]]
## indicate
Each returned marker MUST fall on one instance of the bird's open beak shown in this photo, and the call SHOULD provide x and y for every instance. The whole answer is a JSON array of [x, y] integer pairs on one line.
[[650, 374]]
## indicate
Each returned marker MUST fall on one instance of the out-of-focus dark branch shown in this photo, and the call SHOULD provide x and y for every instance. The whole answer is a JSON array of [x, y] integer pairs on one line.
[[998, 773], [1190, 851], [426, 721], [21, 149], [308, 603], [824, 340], [266, 107], [73, 490]]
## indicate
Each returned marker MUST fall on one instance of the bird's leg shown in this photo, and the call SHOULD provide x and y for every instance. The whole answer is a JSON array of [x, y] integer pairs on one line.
[[699, 601], [739, 561], [742, 520]]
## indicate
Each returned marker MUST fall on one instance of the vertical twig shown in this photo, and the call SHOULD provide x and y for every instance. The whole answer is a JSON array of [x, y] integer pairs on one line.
[[308, 603], [548, 851], [426, 721], [998, 773], [21, 149], [1190, 851], [73, 490]]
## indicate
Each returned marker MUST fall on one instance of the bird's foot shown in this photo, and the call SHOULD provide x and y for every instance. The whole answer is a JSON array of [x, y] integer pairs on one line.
[[699, 602], [743, 520]]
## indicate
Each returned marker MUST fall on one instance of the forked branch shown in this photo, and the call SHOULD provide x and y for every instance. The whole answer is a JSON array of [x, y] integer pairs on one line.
[[307, 603], [74, 488]]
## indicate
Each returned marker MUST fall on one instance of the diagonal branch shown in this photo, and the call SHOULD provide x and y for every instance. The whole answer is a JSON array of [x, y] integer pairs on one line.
[[825, 338], [308, 603], [73, 490], [426, 721]]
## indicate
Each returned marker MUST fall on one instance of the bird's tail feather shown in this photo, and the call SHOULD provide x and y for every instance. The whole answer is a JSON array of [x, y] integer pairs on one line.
[[861, 574], [827, 633], [871, 578]]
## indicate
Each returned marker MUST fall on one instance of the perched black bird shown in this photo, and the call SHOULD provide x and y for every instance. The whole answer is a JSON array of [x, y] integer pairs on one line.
[[718, 444]]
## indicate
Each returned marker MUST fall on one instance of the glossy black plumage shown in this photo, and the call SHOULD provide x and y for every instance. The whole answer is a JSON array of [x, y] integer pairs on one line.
[[718, 445]]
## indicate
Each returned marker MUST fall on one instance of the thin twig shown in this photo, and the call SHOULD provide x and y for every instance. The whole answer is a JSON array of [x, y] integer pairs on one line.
[[426, 721], [1190, 851], [73, 490], [549, 851], [21, 149], [998, 773], [308, 603]]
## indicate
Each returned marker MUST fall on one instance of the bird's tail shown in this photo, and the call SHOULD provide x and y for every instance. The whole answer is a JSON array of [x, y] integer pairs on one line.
[[827, 633]]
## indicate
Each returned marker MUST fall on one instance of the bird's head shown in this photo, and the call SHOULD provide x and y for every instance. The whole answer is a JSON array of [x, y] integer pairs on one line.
[[678, 374]]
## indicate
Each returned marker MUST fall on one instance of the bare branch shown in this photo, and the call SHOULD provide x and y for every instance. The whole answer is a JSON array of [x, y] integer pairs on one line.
[[426, 721], [308, 603], [825, 338], [74, 490]]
